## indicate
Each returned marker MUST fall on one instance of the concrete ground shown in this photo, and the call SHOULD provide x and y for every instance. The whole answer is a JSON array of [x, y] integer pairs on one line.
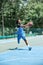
[[12, 43], [21, 56]]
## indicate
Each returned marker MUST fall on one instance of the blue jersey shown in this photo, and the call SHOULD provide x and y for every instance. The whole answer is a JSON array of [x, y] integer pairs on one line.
[[20, 31]]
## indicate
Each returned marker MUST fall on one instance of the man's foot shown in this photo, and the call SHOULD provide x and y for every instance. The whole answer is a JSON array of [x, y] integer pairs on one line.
[[29, 48]]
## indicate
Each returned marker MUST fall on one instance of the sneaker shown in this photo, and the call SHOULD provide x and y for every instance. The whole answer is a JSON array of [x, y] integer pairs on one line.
[[29, 48]]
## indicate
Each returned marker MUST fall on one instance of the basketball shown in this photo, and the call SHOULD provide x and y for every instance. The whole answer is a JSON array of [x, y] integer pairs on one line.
[[31, 23]]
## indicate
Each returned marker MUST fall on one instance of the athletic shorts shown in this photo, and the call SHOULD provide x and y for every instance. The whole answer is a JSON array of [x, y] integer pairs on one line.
[[19, 37], [20, 34]]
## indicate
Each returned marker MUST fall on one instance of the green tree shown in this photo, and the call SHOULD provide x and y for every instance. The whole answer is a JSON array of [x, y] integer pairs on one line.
[[11, 10], [34, 11]]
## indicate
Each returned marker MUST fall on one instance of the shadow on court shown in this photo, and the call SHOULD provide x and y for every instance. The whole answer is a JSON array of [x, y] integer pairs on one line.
[[18, 49], [22, 48], [22, 56]]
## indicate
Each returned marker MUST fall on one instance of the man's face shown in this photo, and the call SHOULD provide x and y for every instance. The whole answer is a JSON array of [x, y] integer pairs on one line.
[[19, 21]]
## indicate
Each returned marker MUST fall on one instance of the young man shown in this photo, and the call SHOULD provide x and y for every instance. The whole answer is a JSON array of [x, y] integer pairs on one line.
[[21, 33]]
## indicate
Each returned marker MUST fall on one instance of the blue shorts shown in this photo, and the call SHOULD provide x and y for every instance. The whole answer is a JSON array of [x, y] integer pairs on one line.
[[19, 37], [20, 34]]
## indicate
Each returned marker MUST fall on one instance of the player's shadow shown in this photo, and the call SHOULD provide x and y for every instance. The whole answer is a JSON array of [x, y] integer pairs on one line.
[[16, 49]]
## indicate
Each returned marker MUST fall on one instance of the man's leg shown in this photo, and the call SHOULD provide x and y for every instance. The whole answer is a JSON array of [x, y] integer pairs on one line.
[[18, 40], [23, 37]]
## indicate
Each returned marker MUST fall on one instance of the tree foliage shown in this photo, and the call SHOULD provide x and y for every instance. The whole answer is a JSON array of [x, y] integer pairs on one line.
[[26, 10]]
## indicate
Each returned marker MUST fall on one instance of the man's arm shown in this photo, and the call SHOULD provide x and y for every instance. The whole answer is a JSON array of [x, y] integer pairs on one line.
[[23, 25], [29, 24]]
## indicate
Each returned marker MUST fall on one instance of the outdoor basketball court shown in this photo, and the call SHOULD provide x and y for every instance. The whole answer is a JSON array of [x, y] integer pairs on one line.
[[22, 56]]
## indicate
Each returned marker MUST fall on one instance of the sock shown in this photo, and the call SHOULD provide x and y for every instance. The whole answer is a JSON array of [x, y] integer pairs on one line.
[[28, 45]]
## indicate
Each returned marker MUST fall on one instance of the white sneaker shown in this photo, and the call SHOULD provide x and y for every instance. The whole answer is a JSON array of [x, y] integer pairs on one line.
[[29, 47]]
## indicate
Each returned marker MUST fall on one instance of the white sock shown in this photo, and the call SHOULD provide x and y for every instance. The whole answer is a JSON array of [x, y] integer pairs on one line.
[[28, 45]]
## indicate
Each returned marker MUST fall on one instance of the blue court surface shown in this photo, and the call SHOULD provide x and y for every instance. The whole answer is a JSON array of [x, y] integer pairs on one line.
[[22, 56]]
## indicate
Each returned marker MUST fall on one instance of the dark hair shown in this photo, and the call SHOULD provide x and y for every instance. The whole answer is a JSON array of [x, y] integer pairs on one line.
[[17, 22]]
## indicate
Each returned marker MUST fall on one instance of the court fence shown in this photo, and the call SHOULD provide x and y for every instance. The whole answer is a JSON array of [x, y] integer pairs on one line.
[[10, 32]]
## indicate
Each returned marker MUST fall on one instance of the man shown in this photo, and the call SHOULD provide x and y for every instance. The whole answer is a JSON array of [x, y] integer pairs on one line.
[[21, 32]]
